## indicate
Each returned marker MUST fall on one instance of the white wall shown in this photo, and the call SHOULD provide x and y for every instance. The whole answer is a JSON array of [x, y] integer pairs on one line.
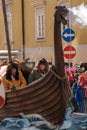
[[48, 53]]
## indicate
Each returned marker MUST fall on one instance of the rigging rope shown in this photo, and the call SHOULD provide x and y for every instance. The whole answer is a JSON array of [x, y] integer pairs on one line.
[[58, 75]]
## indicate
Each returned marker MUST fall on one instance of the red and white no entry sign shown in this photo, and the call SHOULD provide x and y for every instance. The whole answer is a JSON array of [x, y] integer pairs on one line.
[[69, 52]]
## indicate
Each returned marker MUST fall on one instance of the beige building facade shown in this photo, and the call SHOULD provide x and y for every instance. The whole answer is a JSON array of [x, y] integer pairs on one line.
[[37, 29]]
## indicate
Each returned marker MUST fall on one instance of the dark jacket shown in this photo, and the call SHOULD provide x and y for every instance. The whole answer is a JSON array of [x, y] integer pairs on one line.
[[34, 75]]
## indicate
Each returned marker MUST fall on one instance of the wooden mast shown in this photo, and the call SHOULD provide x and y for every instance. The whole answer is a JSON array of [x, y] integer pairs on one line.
[[23, 30], [6, 31], [58, 51]]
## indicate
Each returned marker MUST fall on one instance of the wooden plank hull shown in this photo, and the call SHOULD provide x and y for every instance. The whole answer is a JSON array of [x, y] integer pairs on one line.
[[45, 97]]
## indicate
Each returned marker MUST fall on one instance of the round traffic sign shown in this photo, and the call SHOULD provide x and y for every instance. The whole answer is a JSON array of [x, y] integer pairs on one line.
[[68, 35], [69, 52]]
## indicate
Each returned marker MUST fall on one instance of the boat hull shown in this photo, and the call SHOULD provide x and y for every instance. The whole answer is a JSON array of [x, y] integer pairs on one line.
[[47, 96]]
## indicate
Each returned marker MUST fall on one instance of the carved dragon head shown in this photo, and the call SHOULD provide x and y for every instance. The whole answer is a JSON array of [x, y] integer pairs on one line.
[[60, 14]]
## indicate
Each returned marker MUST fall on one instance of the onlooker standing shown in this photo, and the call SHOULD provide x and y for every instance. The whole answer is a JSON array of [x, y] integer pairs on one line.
[[13, 77], [40, 70]]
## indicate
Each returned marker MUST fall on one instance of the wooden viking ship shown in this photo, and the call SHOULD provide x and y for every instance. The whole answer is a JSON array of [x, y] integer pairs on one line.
[[49, 95]]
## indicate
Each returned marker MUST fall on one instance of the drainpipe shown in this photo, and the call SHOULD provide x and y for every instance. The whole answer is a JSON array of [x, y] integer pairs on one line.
[[23, 29]]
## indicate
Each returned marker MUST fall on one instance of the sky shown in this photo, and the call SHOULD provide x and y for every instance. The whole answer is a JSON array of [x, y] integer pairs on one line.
[[78, 15]]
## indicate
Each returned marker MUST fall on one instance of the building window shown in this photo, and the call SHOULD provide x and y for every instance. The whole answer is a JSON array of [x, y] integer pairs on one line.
[[40, 24], [9, 20], [40, 20]]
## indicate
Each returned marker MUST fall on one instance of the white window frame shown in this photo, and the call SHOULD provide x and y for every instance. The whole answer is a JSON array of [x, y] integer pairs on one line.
[[40, 24], [40, 30]]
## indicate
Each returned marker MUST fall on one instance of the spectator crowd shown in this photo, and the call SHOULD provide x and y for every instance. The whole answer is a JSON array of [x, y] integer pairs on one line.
[[78, 83]]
